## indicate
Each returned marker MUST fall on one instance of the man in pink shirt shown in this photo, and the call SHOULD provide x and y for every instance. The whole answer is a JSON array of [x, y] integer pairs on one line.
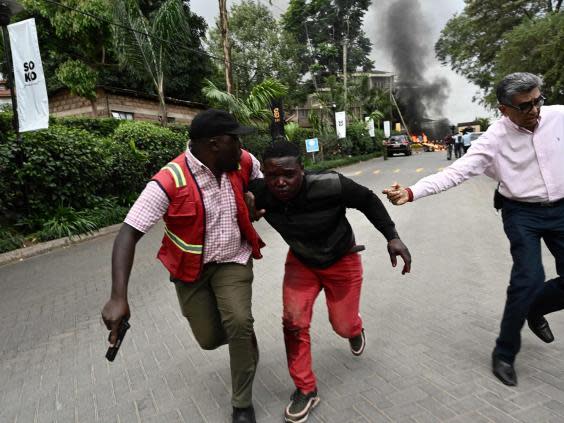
[[524, 152], [207, 246]]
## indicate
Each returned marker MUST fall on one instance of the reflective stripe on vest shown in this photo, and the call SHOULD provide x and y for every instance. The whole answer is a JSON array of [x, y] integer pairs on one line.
[[177, 174], [187, 248]]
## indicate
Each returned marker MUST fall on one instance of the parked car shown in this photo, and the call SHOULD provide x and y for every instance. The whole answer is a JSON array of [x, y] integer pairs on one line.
[[398, 144]]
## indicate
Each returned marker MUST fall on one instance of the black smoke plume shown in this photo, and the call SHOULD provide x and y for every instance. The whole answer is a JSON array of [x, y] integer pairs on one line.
[[407, 38]]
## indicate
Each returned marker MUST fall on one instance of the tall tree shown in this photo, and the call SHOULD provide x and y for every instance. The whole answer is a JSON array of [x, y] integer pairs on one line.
[[538, 47], [327, 29], [470, 41], [224, 30], [75, 46], [144, 46], [260, 49], [76, 43]]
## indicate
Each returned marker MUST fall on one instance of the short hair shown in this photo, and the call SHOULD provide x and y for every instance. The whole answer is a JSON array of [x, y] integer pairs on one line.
[[282, 149], [516, 83]]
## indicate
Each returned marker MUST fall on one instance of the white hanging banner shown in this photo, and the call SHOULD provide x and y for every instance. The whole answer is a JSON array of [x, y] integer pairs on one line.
[[387, 129], [31, 92], [341, 124], [370, 126]]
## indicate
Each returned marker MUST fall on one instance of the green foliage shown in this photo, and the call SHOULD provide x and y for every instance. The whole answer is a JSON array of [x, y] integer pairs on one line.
[[141, 51], [484, 123], [159, 145], [257, 142], [66, 221], [361, 142], [62, 166], [473, 41], [10, 240], [536, 46], [334, 163], [66, 166], [326, 24], [79, 78], [101, 127], [72, 42], [252, 110], [261, 46]]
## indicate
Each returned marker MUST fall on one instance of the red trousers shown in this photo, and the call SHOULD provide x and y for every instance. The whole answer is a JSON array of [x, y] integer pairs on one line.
[[342, 282]]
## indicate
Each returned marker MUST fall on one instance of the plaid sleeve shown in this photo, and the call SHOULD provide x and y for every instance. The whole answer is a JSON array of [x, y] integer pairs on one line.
[[255, 172], [149, 208]]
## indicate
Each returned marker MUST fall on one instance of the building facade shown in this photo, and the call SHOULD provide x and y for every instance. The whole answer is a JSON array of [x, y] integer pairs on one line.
[[122, 104]]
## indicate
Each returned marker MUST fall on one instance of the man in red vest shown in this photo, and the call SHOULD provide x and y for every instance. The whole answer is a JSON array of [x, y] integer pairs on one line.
[[207, 247]]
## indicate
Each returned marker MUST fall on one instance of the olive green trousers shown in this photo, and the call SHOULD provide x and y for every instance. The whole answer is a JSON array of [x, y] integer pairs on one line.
[[218, 308]]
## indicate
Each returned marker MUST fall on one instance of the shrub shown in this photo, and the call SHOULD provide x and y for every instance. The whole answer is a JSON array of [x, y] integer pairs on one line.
[[62, 166], [159, 144], [360, 140], [66, 221], [10, 240], [5, 125], [103, 127], [256, 143]]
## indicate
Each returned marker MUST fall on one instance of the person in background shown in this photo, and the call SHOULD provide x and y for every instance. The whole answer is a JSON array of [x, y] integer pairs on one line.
[[458, 145], [449, 143], [466, 141]]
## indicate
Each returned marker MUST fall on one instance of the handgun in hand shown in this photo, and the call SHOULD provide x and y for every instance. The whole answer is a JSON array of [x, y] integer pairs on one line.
[[112, 351]]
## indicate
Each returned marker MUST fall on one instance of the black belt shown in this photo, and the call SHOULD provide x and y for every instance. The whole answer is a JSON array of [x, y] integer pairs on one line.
[[538, 204]]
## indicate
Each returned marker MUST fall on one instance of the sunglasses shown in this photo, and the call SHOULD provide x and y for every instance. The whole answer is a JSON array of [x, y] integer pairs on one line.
[[527, 106]]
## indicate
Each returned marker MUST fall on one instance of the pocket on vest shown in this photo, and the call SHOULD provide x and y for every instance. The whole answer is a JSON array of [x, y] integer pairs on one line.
[[182, 209]]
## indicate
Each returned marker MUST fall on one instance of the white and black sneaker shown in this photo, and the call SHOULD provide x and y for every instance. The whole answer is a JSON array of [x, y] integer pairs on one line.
[[300, 406], [358, 343]]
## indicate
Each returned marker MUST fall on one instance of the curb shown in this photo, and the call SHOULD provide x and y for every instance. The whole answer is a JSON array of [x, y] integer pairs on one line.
[[45, 247]]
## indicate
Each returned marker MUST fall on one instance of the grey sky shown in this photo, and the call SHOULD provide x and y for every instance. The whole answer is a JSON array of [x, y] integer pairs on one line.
[[459, 107]]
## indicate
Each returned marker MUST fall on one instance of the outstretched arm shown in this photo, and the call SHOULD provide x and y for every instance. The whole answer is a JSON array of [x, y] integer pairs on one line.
[[398, 195], [364, 200]]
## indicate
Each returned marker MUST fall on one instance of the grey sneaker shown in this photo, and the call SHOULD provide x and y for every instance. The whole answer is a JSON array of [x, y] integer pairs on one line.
[[358, 343], [300, 406]]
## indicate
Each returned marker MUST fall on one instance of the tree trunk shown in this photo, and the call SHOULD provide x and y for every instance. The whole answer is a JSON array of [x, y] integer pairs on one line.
[[94, 108], [224, 29], [162, 102]]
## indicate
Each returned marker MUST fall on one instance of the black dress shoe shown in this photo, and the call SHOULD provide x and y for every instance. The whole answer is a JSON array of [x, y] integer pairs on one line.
[[504, 371], [244, 415], [541, 329]]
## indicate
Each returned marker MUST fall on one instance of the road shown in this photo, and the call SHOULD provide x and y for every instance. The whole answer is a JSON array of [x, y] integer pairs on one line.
[[430, 333]]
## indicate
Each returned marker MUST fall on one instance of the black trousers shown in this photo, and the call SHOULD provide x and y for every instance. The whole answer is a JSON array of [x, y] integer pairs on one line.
[[458, 150], [528, 295]]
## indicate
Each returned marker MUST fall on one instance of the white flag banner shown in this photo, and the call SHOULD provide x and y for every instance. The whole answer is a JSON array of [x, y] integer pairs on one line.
[[387, 129], [31, 92], [341, 124], [370, 126]]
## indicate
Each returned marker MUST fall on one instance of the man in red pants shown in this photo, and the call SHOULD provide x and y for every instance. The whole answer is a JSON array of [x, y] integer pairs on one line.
[[308, 210]]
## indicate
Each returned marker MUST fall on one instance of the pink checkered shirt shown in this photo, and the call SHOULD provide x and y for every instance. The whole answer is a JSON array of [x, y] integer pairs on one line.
[[223, 243]]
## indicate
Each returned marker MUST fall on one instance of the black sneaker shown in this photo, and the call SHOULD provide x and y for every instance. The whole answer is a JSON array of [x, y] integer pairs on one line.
[[358, 343], [300, 406]]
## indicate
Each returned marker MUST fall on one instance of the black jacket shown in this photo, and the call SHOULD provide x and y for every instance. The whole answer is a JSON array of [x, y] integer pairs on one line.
[[314, 223]]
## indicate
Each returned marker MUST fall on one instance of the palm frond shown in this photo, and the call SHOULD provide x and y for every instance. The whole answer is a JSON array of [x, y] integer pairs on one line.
[[135, 48], [171, 23], [224, 100]]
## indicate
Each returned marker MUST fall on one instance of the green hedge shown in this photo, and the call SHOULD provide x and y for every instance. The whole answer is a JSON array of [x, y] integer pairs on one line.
[[68, 169], [81, 174], [103, 127]]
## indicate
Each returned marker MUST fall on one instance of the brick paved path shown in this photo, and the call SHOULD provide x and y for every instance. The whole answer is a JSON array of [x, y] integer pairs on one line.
[[430, 335]]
